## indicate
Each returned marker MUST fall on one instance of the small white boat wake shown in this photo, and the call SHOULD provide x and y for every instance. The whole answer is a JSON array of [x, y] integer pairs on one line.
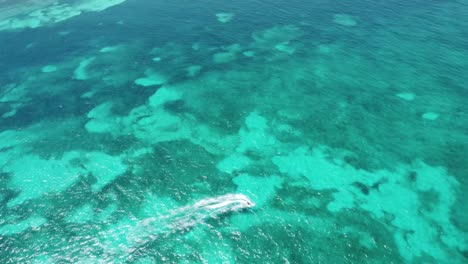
[[180, 219], [188, 216]]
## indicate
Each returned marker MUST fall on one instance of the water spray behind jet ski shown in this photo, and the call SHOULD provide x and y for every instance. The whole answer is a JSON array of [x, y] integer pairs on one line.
[[180, 219], [214, 207]]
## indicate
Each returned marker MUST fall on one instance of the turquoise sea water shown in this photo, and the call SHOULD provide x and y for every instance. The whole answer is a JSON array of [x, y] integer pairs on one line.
[[125, 123]]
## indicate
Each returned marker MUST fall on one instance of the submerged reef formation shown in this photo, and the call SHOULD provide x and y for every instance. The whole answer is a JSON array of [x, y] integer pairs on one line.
[[16, 15], [344, 130]]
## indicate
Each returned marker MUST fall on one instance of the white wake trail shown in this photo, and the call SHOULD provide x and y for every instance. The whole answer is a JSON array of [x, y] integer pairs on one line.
[[179, 219]]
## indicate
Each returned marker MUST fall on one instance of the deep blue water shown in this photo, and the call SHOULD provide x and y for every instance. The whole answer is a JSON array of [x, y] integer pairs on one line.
[[123, 130]]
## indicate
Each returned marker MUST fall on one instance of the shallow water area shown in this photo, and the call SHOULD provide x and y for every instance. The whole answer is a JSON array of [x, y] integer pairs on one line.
[[139, 131]]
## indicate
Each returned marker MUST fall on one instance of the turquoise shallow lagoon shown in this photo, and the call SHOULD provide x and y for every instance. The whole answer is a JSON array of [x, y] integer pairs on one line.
[[127, 126]]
